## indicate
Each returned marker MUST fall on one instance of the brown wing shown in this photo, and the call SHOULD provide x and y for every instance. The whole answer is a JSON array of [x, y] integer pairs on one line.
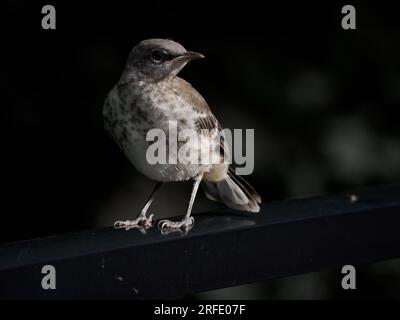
[[210, 126], [191, 96], [206, 123]]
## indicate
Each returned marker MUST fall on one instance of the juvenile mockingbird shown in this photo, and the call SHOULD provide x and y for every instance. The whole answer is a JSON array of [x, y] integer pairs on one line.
[[150, 95]]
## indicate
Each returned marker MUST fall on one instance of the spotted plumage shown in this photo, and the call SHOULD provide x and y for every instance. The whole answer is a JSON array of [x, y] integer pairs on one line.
[[150, 95]]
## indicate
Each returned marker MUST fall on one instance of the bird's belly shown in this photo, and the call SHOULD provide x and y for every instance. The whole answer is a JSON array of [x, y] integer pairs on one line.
[[167, 117], [138, 153]]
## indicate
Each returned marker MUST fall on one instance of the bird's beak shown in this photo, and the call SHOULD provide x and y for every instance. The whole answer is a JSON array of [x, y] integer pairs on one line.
[[190, 55]]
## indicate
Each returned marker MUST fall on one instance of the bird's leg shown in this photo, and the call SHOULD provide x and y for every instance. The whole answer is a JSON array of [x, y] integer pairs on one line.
[[187, 222], [141, 221]]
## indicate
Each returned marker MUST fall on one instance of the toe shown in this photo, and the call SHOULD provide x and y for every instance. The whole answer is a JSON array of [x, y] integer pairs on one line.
[[164, 224], [119, 224]]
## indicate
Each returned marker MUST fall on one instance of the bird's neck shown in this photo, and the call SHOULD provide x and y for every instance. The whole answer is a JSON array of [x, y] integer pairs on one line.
[[135, 78]]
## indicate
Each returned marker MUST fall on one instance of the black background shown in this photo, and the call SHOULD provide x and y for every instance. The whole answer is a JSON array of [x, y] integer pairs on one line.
[[324, 102]]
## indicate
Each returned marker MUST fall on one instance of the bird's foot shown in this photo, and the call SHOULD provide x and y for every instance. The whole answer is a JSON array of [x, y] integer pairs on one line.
[[168, 226], [141, 222]]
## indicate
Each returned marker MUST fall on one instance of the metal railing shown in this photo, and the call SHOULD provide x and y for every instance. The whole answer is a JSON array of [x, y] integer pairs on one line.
[[223, 249]]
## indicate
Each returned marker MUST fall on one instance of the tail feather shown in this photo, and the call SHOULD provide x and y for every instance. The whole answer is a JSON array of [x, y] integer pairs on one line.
[[235, 192], [245, 186]]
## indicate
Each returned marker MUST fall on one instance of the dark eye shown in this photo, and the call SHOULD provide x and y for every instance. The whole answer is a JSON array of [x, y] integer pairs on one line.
[[158, 56]]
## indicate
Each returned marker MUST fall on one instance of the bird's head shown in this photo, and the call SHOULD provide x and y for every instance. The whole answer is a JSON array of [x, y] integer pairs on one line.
[[157, 59]]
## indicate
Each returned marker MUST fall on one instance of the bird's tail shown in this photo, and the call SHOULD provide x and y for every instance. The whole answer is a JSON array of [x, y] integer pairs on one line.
[[235, 192]]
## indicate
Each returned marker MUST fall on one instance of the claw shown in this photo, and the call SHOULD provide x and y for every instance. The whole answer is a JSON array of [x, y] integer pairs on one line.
[[168, 226], [120, 224], [141, 222]]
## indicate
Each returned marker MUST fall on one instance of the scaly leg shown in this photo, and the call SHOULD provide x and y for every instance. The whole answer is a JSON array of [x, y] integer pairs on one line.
[[187, 222], [141, 220]]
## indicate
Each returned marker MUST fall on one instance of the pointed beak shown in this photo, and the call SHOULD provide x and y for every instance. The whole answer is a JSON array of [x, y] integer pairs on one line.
[[190, 55]]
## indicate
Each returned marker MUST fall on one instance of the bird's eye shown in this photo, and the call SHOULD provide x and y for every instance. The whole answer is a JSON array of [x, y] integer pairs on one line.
[[158, 56]]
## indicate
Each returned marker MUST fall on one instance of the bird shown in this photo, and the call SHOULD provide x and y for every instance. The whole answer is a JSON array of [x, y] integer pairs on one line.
[[150, 94]]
